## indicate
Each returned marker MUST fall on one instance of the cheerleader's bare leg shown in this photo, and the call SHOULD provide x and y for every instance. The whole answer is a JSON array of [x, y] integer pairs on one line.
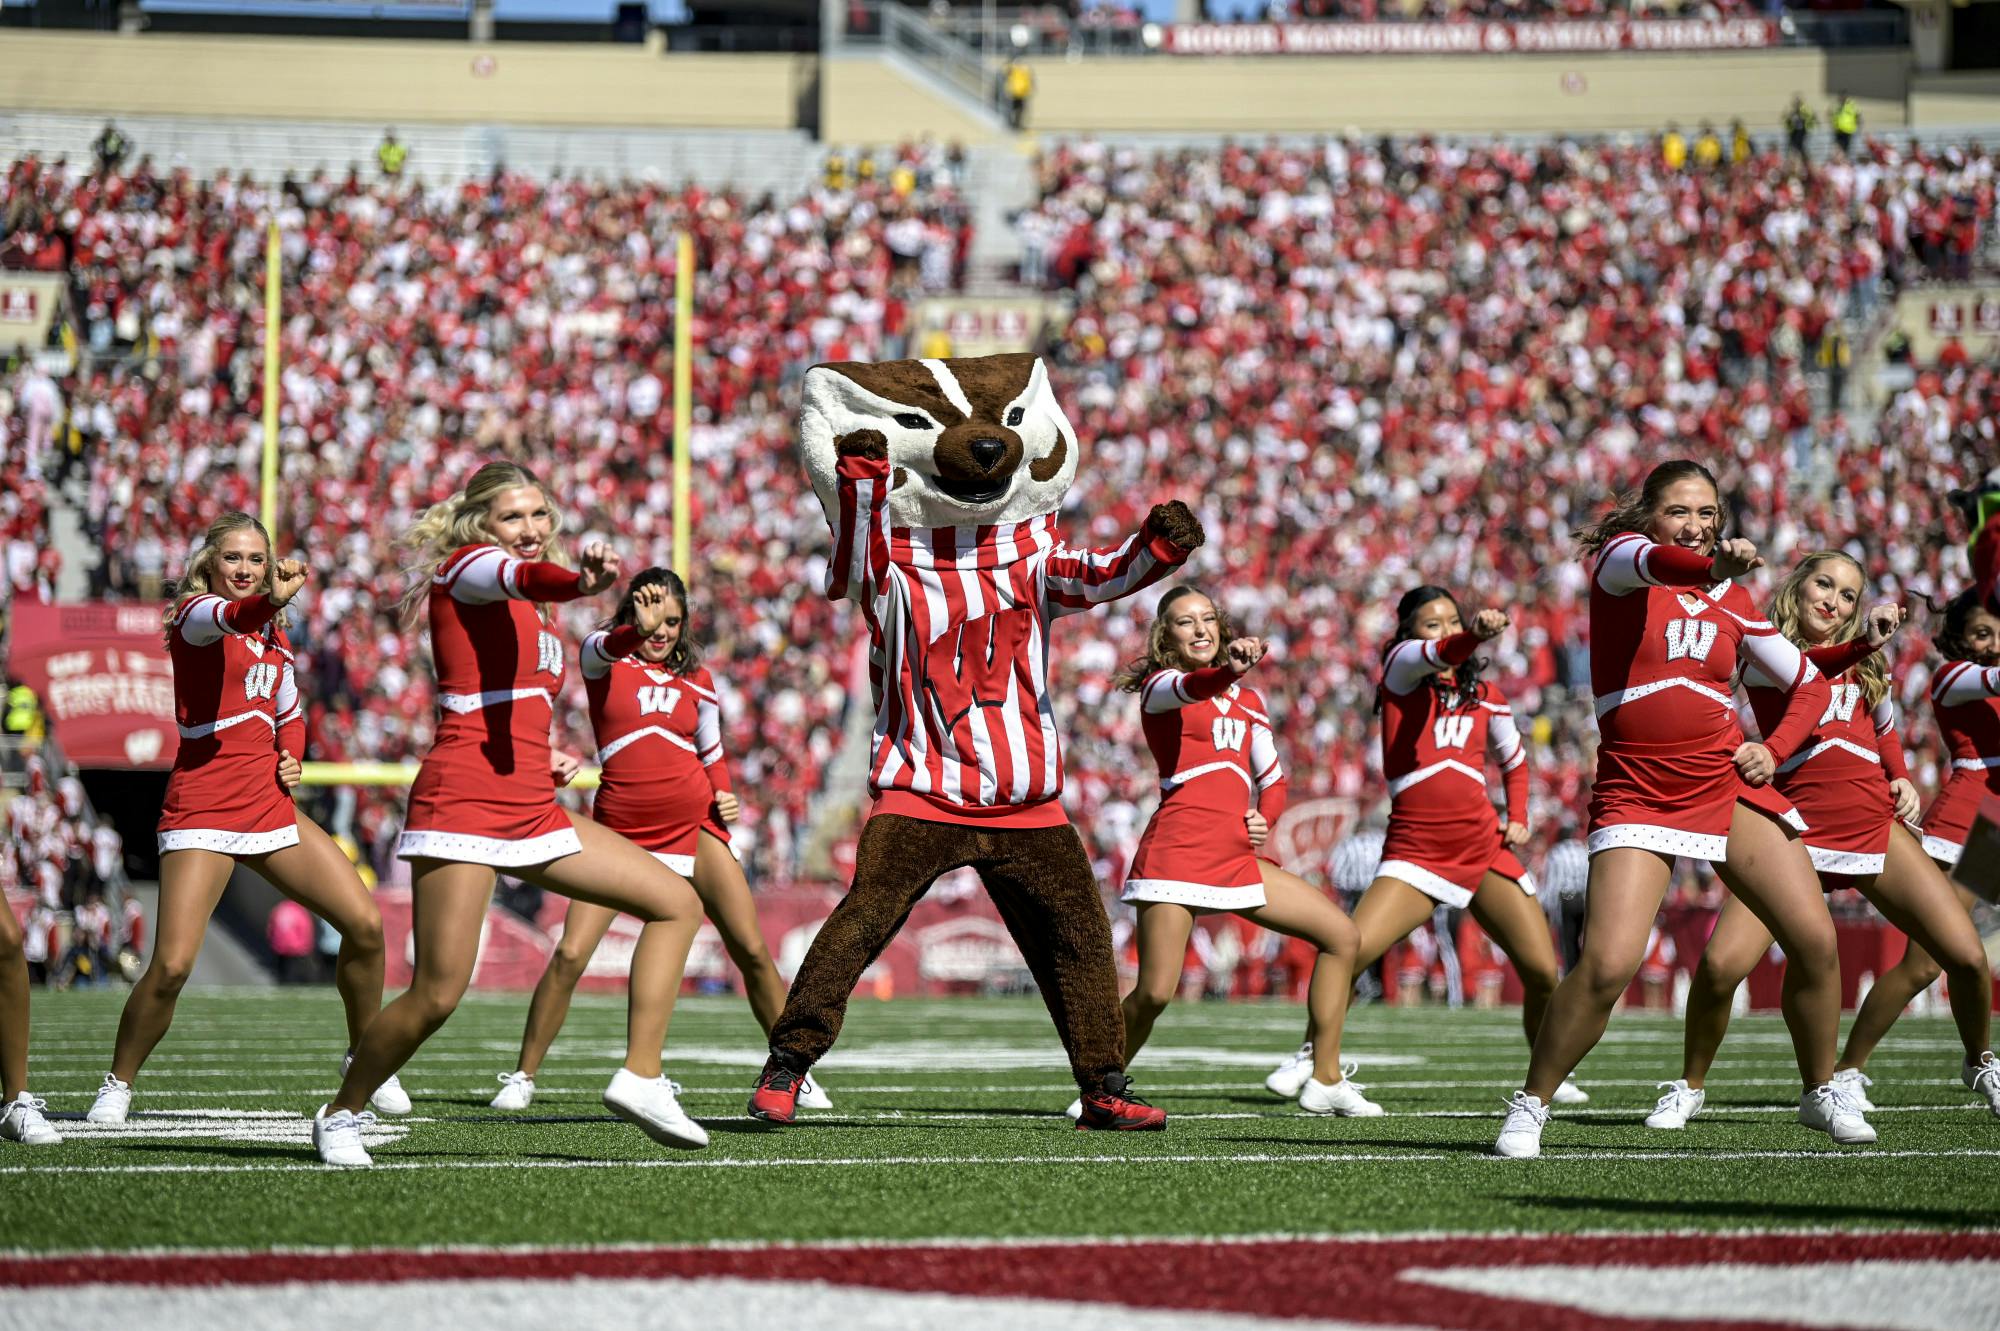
[[610, 871], [584, 927], [191, 883], [319, 877], [448, 902], [1297, 909], [1893, 990], [725, 897], [1914, 896], [1627, 885], [13, 1009], [1739, 941], [1163, 932], [1384, 917], [1515, 921], [1769, 871]]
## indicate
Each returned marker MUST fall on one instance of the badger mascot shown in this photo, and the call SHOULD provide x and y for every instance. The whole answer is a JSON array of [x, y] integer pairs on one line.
[[941, 480]]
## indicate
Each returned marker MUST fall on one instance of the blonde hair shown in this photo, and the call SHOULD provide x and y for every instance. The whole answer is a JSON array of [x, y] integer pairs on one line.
[[1160, 654], [1787, 614], [451, 524], [201, 567]]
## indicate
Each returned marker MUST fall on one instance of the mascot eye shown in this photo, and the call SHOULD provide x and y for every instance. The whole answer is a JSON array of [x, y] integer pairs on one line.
[[909, 420], [1014, 417]]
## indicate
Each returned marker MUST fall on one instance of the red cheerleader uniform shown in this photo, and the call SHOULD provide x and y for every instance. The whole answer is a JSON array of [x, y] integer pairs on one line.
[[1665, 638], [659, 743], [484, 794], [236, 703], [1443, 837], [1211, 738], [1965, 699], [1839, 778]]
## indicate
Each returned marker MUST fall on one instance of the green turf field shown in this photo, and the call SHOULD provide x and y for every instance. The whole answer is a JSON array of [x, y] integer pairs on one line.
[[948, 1124]]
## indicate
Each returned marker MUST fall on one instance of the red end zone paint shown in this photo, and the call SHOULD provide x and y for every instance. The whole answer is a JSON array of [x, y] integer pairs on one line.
[[1352, 1280]]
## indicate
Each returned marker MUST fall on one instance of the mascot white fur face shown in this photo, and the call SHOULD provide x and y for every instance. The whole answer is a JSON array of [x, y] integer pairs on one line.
[[971, 441]]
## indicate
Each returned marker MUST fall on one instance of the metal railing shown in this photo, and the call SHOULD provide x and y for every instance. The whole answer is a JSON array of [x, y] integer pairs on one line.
[[935, 45]]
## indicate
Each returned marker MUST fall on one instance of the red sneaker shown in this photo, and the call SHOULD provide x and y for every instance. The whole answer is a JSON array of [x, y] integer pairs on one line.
[[1116, 1109], [776, 1099]]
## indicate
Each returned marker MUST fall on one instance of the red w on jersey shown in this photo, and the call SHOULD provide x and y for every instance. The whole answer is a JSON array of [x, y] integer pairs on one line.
[[1443, 836], [1211, 740], [1665, 640], [484, 794], [236, 703], [659, 743], [1965, 699]]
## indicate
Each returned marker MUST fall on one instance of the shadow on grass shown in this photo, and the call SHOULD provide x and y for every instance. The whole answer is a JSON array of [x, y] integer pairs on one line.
[[1740, 1208], [1320, 1144]]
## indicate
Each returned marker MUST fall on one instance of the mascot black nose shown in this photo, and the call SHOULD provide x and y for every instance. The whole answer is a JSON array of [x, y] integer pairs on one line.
[[987, 453]]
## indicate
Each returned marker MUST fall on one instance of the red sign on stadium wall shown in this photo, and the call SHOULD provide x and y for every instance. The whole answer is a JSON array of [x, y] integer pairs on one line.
[[102, 674], [1567, 38]]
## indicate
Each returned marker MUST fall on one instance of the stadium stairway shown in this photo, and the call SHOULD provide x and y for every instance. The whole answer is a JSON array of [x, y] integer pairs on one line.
[[1002, 183]]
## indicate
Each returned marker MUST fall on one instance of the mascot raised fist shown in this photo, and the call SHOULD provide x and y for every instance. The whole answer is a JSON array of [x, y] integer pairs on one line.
[[941, 480]]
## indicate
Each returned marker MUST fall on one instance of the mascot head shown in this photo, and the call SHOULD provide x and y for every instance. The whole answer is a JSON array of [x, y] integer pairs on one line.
[[970, 441]]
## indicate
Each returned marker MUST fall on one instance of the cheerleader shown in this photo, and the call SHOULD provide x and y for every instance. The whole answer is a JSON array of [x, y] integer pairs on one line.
[[229, 799], [1443, 848], [487, 560], [1965, 701], [1222, 788], [1676, 777], [1850, 783], [666, 786]]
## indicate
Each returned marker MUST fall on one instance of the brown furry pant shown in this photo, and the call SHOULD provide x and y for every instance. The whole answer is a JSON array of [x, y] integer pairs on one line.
[[1040, 880]]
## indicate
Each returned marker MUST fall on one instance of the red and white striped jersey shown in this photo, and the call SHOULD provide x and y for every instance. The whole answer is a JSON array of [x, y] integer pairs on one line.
[[1211, 738], [499, 665], [1965, 698], [1434, 752], [1662, 656], [652, 726], [958, 622], [235, 692]]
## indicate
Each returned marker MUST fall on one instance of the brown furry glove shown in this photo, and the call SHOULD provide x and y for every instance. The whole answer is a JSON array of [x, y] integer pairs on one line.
[[1177, 522], [863, 444]]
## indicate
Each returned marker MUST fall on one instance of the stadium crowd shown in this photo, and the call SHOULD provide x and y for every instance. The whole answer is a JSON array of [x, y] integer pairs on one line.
[[1368, 364]]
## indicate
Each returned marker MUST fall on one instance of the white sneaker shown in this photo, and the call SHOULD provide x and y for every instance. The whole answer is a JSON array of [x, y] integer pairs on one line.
[[337, 1137], [1569, 1093], [22, 1121], [517, 1091], [1075, 1110], [812, 1095], [1984, 1078], [1521, 1135], [1832, 1110], [114, 1102], [1680, 1103], [1855, 1083], [1289, 1078], [389, 1097], [648, 1104], [1343, 1098]]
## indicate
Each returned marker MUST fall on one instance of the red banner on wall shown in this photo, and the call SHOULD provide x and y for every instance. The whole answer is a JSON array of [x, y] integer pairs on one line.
[[102, 673], [1550, 38]]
